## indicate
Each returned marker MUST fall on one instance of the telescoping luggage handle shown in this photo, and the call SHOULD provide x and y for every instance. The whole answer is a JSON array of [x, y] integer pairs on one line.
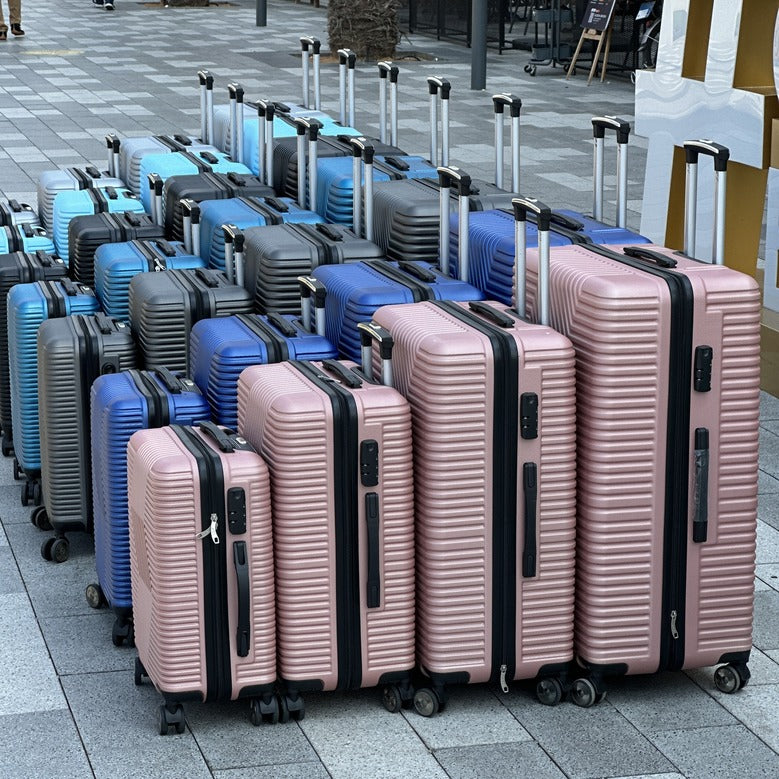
[[310, 44], [370, 332], [622, 128], [514, 104], [234, 261], [236, 92], [266, 111], [347, 60], [312, 291], [155, 192], [190, 220], [206, 105], [439, 90], [543, 219], [447, 178], [362, 154], [113, 144], [721, 155], [307, 128], [388, 72]]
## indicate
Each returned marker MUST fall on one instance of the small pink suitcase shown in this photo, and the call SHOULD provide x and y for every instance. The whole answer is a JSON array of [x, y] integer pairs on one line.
[[668, 371], [201, 560], [339, 451], [493, 407]]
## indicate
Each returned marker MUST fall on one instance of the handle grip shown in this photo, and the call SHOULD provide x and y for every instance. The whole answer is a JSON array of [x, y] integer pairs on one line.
[[169, 380], [530, 489], [506, 100], [602, 123], [700, 522], [241, 563], [488, 312], [640, 253], [388, 70], [222, 439], [720, 153], [310, 42], [344, 374], [372, 521]]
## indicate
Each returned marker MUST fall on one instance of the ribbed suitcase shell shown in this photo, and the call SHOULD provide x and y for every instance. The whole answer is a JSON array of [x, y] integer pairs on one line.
[[51, 182], [185, 164], [206, 186], [69, 205], [87, 233], [276, 255], [244, 212], [618, 317], [18, 268], [117, 263], [72, 352], [171, 611], [133, 150], [290, 419], [25, 238], [164, 306], [446, 369], [219, 349], [356, 290], [120, 405], [491, 245], [406, 214], [12, 212], [28, 306]]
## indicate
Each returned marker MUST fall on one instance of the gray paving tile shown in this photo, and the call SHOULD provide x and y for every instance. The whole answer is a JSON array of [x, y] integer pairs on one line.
[[293, 771], [767, 485], [718, 753], [769, 406], [766, 622], [519, 761], [769, 450], [756, 706], [52, 746], [10, 579], [651, 776], [767, 544], [769, 573]]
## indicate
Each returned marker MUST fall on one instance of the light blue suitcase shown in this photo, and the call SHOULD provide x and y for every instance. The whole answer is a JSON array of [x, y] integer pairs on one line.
[[25, 238]]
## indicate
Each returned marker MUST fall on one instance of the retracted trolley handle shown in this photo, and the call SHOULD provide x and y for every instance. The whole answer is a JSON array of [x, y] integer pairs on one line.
[[370, 332], [206, 80], [190, 218], [266, 111], [514, 104], [447, 179], [307, 128], [543, 219], [388, 72], [347, 60], [439, 90], [236, 93], [622, 128], [309, 43], [113, 144], [234, 262], [312, 291], [362, 155], [155, 192]]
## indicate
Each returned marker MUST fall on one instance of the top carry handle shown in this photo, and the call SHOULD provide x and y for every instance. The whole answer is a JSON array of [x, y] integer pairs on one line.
[[309, 43], [543, 219], [499, 103], [721, 155], [236, 92], [206, 105], [347, 60], [599, 126], [439, 90], [448, 177], [388, 72]]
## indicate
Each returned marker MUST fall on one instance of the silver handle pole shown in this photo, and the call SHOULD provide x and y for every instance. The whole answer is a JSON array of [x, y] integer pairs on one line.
[[434, 129], [515, 154], [209, 116], [351, 96], [356, 195], [383, 108], [720, 183], [394, 113], [304, 66], [369, 198], [317, 87], [543, 277], [186, 227], [622, 185], [229, 261], [520, 267], [443, 229], [238, 266], [301, 171], [203, 111], [444, 130], [499, 149], [233, 127], [691, 207], [269, 150], [342, 90], [597, 178], [463, 242], [261, 152], [239, 132], [312, 174]]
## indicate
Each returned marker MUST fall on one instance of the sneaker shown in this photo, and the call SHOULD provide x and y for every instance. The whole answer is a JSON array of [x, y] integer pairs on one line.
[[16, 29], [3, 35], [108, 5]]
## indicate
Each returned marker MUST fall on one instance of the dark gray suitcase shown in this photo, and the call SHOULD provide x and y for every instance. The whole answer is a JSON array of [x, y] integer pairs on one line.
[[164, 306], [72, 352]]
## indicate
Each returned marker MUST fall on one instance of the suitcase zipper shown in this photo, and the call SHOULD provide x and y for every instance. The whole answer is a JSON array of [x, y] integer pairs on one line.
[[157, 408], [419, 290], [265, 211], [14, 240], [275, 344]]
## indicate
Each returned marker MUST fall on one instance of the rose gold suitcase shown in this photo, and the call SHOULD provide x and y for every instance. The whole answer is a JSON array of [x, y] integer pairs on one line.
[[202, 569], [338, 447], [668, 369], [493, 407]]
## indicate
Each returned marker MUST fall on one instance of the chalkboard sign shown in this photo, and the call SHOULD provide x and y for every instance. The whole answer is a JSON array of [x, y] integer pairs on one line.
[[598, 14]]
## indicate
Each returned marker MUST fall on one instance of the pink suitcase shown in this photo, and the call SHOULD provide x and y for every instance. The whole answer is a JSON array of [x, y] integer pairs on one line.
[[493, 406], [668, 369], [339, 451], [201, 561]]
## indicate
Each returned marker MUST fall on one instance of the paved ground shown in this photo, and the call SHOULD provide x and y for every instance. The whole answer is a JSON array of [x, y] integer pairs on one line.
[[68, 706]]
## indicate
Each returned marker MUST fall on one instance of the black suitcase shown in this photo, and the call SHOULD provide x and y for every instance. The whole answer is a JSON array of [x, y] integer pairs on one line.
[[206, 186], [86, 233], [18, 268]]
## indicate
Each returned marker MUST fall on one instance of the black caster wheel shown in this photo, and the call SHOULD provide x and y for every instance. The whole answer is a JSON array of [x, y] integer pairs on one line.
[[27, 492], [264, 711], [426, 702], [46, 549], [18, 472], [94, 596], [60, 550], [37, 493], [584, 693], [296, 707], [532, 71], [390, 697], [140, 672], [731, 678], [549, 691], [171, 718], [121, 632], [283, 710], [40, 518], [7, 446]]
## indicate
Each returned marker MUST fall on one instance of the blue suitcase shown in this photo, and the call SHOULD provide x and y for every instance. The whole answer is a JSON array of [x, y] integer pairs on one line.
[[83, 202], [28, 306], [117, 263], [121, 404], [221, 348], [184, 164], [356, 290], [244, 212], [25, 238]]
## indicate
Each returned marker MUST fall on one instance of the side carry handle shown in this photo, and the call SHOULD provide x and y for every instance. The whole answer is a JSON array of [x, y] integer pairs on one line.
[[514, 104], [234, 262], [439, 89], [312, 291], [309, 43], [388, 72], [461, 181], [700, 522], [347, 60], [523, 205], [190, 221], [241, 564], [370, 332], [721, 155], [206, 80], [622, 128]]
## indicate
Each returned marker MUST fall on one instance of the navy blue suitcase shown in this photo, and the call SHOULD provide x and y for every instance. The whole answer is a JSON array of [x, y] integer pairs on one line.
[[121, 404]]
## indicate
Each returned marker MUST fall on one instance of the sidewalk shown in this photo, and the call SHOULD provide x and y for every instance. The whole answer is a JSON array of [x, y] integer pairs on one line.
[[68, 705]]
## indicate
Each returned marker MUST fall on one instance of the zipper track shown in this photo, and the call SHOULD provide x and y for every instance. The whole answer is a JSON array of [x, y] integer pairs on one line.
[[157, 407], [275, 344], [270, 216], [419, 290]]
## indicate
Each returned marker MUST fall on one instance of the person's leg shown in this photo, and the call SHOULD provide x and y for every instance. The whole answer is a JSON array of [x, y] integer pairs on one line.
[[15, 13], [3, 25]]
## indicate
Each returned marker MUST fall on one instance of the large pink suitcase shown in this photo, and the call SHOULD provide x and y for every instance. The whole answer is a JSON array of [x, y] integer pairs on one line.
[[202, 569], [339, 451], [493, 408], [668, 369]]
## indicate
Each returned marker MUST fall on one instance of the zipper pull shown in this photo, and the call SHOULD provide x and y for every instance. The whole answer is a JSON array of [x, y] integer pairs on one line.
[[674, 631], [503, 684], [212, 530]]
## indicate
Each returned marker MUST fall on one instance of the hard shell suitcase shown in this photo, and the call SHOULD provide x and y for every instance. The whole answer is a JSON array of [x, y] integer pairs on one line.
[[25, 238], [120, 405], [220, 349], [668, 371], [28, 306], [117, 263], [88, 233], [494, 407], [70, 205], [164, 306], [12, 212], [72, 352], [338, 447], [201, 560], [18, 268]]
